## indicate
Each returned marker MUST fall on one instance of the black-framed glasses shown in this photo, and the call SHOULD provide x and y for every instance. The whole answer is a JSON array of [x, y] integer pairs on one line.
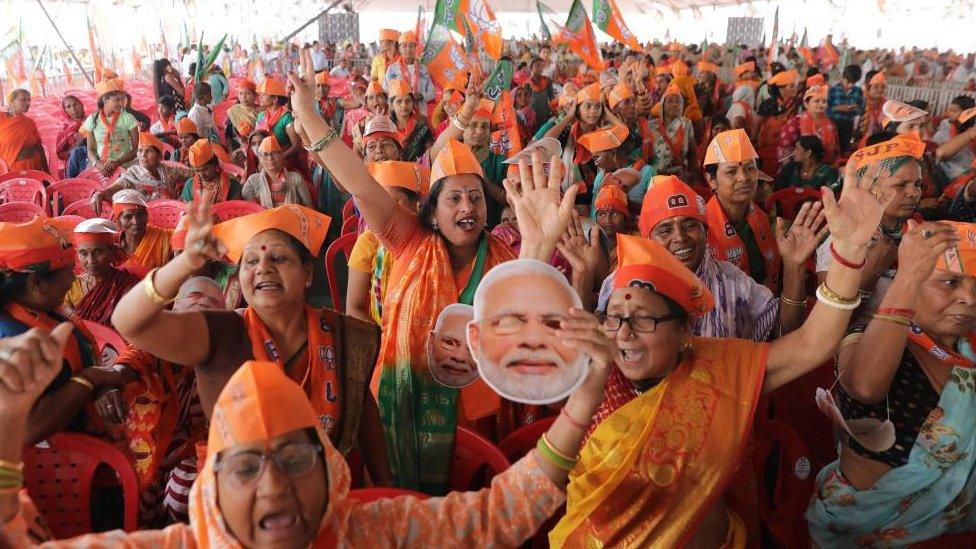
[[642, 324], [293, 460]]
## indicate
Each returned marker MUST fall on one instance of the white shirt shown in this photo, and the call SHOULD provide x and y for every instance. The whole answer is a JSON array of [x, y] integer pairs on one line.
[[339, 71], [319, 60]]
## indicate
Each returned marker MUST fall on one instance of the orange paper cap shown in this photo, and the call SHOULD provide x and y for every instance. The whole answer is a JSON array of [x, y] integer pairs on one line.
[[645, 264], [185, 126], [908, 144], [398, 88], [270, 86], [323, 78], [270, 144], [878, 78], [306, 225], [815, 92], [248, 85], [589, 94], [393, 173], [408, 37], [730, 146], [896, 111], [485, 108], [705, 66], [374, 88], [960, 258], [201, 152], [389, 34], [618, 93], [455, 158], [966, 115], [816, 80], [612, 197], [38, 246], [679, 68], [147, 139], [748, 66], [604, 139], [784, 78], [667, 197], [109, 85]]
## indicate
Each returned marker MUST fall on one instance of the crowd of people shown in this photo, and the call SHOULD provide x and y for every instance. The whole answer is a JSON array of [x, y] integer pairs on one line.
[[646, 184]]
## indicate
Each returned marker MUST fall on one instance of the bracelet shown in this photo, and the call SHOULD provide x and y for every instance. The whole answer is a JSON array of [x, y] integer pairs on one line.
[[906, 313], [149, 285], [552, 456], [457, 124], [794, 302], [326, 140], [569, 419], [839, 259], [830, 299], [83, 382], [893, 318], [865, 294], [9, 465]]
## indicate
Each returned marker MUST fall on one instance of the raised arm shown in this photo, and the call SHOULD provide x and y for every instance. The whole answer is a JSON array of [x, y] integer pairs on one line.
[[472, 97], [373, 201], [796, 245], [543, 213], [563, 122], [952, 147]]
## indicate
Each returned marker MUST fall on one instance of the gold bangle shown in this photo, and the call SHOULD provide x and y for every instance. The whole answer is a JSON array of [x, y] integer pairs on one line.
[[19, 467], [794, 302], [893, 318], [83, 382], [326, 140], [834, 296], [149, 285]]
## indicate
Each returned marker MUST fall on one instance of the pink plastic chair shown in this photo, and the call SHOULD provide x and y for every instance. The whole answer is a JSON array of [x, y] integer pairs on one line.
[[22, 189], [69, 191], [3, 167], [166, 213], [523, 440], [342, 245], [233, 169], [92, 173], [473, 454], [19, 212], [82, 208], [229, 209], [28, 174]]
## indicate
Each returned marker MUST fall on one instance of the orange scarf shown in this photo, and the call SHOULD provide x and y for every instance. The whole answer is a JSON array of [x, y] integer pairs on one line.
[[271, 117], [949, 358], [154, 250], [223, 190], [80, 344], [727, 245], [541, 86], [319, 378], [107, 141], [676, 145], [824, 129]]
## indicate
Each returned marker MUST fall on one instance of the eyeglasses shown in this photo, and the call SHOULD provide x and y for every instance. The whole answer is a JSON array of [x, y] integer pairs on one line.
[[513, 323], [642, 324], [294, 459]]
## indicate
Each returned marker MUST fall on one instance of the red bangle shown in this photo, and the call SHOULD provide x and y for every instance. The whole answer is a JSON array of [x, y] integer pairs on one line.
[[837, 257], [893, 311], [572, 421]]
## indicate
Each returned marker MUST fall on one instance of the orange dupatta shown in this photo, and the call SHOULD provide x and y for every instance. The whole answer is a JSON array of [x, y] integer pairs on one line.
[[73, 351], [16, 133], [320, 379], [824, 129], [154, 250], [223, 190], [727, 245], [647, 476]]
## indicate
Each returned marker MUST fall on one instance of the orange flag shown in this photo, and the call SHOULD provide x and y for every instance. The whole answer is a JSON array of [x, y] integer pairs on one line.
[[578, 36], [446, 61], [69, 78], [96, 56], [607, 17], [505, 137]]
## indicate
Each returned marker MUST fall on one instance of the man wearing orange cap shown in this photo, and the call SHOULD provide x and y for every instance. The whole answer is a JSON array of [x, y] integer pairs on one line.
[[205, 158], [812, 121], [95, 292], [387, 56], [273, 186], [151, 177], [407, 68]]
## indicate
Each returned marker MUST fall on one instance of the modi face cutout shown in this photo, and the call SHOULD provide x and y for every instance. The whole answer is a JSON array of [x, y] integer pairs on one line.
[[518, 309], [448, 356]]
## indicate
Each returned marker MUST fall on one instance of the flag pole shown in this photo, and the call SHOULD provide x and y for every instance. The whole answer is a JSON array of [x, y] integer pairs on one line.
[[309, 22], [65, 42]]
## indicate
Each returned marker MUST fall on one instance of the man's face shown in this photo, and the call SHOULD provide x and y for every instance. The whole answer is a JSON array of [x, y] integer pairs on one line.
[[409, 50], [515, 342], [448, 355]]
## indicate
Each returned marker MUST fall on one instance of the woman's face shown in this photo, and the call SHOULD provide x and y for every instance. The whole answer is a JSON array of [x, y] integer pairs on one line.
[[611, 221], [208, 172], [735, 183], [379, 150], [661, 82], [114, 104], [187, 139], [148, 157], [322, 91], [246, 96], [906, 186], [271, 161], [461, 211], [627, 109], [685, 237], [164, 110], [817, 106], [255, 140], [650, 355], [21, 103], [947, 305], [590, 112], [376, 103], [133, 223], [508, 216], [95, 258], [876, 91], [788, 91], [275, 509], [266, 101], [403, 106], [799, 153], [607, 161], [74, 108], [478, 133], [272, 274], [917, 125], [672, 105]]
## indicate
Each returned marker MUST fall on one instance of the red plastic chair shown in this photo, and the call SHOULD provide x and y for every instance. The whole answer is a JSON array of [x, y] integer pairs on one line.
[[92, 173], [233, 169], [166, 213], [19, 212], [76, 219], [474, 453], [520, 442], [344, 245], [22, 189], [348, 209], [350, 225], [366, 495], [109, 342], [229, 209], [794, 405], [783, 515], [787, 202], [83, 209], [69, 191], [948, 541], [28, 174], [59, 481]]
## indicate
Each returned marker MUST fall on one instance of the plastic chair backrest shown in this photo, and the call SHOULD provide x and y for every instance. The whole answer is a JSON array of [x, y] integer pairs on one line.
[[83, 208], [229, 209], [344, 245], [787, 202], [92, 173], [233, 169], [28, 174], [23, 189], [19, 212], [59, 481], [783, 514], [472, 454], [348, 209], [366, 495], [350, 225], [69, 191], [521, 441], [109, 342], [166, 213]]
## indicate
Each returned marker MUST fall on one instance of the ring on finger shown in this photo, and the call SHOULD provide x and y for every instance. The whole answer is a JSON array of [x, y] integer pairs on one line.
[[926, 233]]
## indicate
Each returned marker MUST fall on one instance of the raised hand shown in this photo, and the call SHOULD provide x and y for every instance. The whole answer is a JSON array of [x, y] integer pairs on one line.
[[921, 248], [201, 244], [581, 330], [303, 88], [581, 250], [797, 243], [855, 218], [542, 213], [472, 98], [28, 364]]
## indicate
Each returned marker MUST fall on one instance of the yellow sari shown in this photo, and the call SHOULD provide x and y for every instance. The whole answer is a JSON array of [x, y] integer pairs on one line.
[[153, 251], [653, 468]]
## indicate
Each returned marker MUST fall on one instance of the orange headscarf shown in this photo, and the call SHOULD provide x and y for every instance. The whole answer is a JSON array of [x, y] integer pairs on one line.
[[611, 197]]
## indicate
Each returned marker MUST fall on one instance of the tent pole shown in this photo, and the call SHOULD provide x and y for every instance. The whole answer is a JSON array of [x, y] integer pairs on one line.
[[309, 22], [65, 42]]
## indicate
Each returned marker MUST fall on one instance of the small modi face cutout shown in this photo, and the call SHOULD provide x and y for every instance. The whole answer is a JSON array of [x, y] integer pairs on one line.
[[448, 355], [518, 309]]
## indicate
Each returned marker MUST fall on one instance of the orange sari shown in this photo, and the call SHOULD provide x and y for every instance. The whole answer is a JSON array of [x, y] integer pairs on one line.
[[17, 133], [651, 471], [154, 250]]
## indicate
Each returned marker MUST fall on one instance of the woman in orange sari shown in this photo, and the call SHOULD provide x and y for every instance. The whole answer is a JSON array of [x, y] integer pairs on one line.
[[439, 258], [672, 430], [774, 112], [146, 246], [20, 142]]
